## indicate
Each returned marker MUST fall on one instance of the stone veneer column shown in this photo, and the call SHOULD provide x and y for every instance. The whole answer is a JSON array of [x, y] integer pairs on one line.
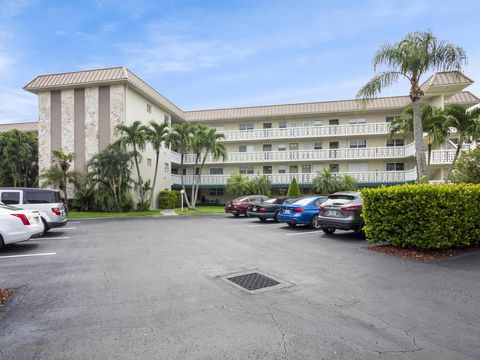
[[44, 133], [91, 122], [68, 131], [117, 109]]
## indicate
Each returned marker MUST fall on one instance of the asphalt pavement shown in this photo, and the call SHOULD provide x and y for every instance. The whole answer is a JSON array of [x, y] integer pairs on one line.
[[158, 288]]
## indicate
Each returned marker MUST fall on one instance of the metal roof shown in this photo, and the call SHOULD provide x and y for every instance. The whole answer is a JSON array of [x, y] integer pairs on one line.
[[446, 78], [24, 126], [98, 77]]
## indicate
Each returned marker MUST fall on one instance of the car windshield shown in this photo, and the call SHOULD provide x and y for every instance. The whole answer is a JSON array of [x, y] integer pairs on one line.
[[339, 200], [289, 201], [303, 201], [271, 201], [240, 199]]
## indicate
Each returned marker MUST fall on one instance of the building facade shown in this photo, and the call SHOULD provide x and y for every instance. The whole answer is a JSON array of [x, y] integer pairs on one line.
[[79, 112]]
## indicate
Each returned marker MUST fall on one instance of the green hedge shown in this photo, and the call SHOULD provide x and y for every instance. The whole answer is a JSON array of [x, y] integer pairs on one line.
[[169, 199], [423, 216]]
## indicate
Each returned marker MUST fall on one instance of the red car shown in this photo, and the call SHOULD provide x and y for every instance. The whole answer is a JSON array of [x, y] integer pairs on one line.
[[239, 206]]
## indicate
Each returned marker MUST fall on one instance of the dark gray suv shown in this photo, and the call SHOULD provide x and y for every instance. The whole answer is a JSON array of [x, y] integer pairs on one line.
[[341, 210]]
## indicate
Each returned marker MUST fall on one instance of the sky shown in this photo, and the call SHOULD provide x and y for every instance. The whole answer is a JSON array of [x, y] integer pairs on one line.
[[221, 53]]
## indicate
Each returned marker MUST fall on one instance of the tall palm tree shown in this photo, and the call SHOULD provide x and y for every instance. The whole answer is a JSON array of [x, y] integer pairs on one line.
[[179, 139], [60, 175], [156, 135], [411, 58], [134, 136], [467, 123], [205, 142], [238, 185], [435, 124], [325, 182]]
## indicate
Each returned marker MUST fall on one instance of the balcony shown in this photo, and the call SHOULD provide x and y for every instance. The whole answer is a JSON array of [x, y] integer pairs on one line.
[[310, 155], [306, 132], [306, 179]]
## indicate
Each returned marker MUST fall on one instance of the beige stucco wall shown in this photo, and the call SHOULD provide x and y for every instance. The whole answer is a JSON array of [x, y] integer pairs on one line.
[[136, 109], [44, 139], [91, 122]]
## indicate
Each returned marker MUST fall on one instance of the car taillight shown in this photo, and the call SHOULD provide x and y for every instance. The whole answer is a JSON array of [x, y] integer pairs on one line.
[[298, 210], [262, 209], [351, 207], [22, 217], [56, 211], [322, 207]]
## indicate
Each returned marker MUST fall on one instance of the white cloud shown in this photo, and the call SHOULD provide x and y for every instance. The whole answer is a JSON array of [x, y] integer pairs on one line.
[[16, 105], [9, 8]]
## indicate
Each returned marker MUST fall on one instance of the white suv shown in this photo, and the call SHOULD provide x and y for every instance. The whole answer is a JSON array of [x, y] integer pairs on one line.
[[47, 202]]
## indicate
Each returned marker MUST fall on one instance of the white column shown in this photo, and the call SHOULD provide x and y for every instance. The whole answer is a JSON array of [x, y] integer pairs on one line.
[[67, 135], [117, 109], [44, 135], [91, 122]]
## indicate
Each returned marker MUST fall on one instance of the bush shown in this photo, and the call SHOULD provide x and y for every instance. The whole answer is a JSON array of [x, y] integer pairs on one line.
[[467, 168], [143, 206], [261, 185], [294, 189], [238, 185], [169, 199], [423, 216]]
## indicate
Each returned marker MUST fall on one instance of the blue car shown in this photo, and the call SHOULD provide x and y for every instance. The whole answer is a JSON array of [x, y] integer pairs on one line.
[[303, 211]]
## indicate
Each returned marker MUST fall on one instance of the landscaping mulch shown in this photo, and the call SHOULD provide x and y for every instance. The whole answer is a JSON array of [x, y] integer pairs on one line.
[[4, 295], [420, 254]]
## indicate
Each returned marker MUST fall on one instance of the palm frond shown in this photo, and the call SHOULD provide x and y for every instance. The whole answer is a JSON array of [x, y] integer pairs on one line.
[[378, 83]]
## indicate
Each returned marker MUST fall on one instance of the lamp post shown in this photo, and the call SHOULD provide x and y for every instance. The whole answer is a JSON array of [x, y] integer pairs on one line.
[[181, 193]]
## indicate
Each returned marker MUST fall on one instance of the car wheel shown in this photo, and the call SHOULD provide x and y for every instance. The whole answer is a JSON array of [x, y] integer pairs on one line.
[[275, 217], [292, 224], [45, 227], [262, 219], [329, 231], [314, 223], [2, 244], [236, 215]]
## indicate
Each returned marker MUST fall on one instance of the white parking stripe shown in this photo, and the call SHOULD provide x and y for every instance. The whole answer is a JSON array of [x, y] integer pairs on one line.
[[65, 228], [74, 222], [303, 233], [53, 237], [27, 255]]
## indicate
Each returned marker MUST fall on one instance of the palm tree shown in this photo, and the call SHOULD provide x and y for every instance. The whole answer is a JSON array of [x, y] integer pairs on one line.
[[261, 185], [156, 135], [205, 142], [134, 136], [467, 123], [60, 175], [238, 185], [179, 139], [411, 58], [435, 124], [325, 182]]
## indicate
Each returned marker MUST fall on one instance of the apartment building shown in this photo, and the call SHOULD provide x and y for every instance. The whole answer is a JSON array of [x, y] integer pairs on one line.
[[79, 112]]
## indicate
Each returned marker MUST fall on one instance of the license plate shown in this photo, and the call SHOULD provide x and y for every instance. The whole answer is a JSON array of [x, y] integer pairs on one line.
[[254, 208], [288, 211], [331, 213]]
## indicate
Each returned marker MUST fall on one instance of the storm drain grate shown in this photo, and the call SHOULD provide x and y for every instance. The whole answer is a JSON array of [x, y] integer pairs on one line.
[[253, 281]]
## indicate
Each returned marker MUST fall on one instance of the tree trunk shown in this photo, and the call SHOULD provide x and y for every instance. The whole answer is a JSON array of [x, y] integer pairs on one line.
[[182, 180], [418, 137], [195, 168], [457, 151], [138, 173], [200, 175], [152, 196], [429, 157]]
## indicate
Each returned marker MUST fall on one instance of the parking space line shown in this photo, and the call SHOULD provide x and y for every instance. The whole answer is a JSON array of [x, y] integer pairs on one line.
[[26, 255], [65, 228], [53, 237], [303, 233], [74, 222]]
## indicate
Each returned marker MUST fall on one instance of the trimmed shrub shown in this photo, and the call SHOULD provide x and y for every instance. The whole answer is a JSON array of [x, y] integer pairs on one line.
[[425, 216], [294, 189], [169, 199]]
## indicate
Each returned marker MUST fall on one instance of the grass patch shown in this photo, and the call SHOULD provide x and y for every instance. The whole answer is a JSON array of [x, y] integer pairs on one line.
[[201, 210], [88, 214]]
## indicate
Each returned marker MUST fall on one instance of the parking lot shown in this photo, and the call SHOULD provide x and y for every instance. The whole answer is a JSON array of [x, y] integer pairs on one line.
[[157, 288]]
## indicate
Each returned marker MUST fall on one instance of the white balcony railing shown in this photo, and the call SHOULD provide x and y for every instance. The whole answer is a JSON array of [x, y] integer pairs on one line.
[[309, 155], [285, 179], [306, 132]]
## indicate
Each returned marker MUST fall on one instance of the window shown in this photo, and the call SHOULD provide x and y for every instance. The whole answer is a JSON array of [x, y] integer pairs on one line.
[[357, 167], [354, 144], [245, 148], [267, 147], [394, 166], [149, 108], [41, 197], [219, 128], [267, 125], [395, 142], [334, 167], [357, 121], [306, 146], [391, 118], [246, 126], [167, 168], [317, 123], [282, 124], [333, 122], [317, 145], [282, 147], [293, 146], [306, 169], [293, 124], [333, 145], [293, 169], [246, 169], [267, 169], [282, 170], [306, 123], [215, 192], [149, 162], [216, 171], [11, 198]]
